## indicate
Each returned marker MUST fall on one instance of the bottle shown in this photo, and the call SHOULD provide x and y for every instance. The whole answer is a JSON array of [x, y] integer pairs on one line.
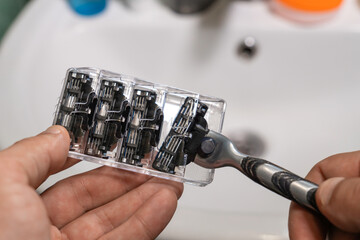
[[87, 7], [306, 11]]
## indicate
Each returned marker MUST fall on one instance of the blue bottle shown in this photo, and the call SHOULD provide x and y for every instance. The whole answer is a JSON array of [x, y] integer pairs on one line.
[[87, 7]]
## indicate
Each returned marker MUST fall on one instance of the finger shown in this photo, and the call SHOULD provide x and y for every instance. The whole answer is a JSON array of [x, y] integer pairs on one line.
[[338, 199], [304, 224], [72, 197], [69, 163], [108, 217], [339, 165], [337, 234], [149, 220], [33, 159]]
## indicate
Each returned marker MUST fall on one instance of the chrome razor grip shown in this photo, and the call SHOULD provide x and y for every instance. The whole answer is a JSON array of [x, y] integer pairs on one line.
[[281, 181], [218, 151]]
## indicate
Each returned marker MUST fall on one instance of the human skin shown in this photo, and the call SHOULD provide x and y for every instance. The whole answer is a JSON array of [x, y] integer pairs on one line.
[[338, 200], [105, 203]]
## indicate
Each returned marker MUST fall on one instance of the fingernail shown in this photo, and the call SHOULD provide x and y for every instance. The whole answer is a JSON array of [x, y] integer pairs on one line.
[[327, 188], [52, 130]]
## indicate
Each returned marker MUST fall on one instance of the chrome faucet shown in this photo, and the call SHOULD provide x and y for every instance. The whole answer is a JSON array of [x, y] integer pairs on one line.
[[188, 6]]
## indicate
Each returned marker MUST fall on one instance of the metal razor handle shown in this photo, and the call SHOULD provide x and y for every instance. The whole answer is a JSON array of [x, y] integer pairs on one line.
[[280, 180], [217, 151]]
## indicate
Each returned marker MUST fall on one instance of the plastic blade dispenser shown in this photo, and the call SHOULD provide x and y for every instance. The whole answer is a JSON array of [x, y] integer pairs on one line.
[[123, 122]]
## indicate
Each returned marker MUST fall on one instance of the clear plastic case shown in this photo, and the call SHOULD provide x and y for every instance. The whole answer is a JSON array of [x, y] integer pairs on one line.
[[123, 122]]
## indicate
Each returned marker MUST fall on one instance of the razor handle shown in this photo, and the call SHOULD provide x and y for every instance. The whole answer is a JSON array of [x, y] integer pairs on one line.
[[280, 181]]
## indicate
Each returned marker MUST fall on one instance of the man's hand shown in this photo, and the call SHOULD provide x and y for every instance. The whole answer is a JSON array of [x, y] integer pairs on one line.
[[338, 199], [104, 203]]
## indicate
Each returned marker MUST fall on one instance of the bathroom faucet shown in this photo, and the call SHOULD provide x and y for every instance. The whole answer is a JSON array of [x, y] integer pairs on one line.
[[188, 6]]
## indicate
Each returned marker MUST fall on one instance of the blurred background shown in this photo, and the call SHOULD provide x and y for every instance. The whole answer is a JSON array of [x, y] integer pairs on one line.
[[289, 71]]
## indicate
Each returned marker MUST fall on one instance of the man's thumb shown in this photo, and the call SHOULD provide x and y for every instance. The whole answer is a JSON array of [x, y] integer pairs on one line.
[[338, 200], [33, 159]]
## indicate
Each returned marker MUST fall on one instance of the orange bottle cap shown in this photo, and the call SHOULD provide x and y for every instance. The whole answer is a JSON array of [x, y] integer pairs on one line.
[[312, 5]]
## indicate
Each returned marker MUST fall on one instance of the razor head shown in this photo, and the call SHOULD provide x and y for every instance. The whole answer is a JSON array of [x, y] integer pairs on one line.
[[183, 140], [120, 121]]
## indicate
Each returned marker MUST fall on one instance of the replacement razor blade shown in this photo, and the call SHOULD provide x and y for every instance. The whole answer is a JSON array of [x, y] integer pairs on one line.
[[120, 121]]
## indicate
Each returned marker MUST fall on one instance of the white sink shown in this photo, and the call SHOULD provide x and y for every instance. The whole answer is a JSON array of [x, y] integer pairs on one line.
[[299, 93]]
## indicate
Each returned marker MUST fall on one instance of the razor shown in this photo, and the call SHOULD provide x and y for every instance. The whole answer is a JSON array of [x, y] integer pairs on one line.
[[120, 121]]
